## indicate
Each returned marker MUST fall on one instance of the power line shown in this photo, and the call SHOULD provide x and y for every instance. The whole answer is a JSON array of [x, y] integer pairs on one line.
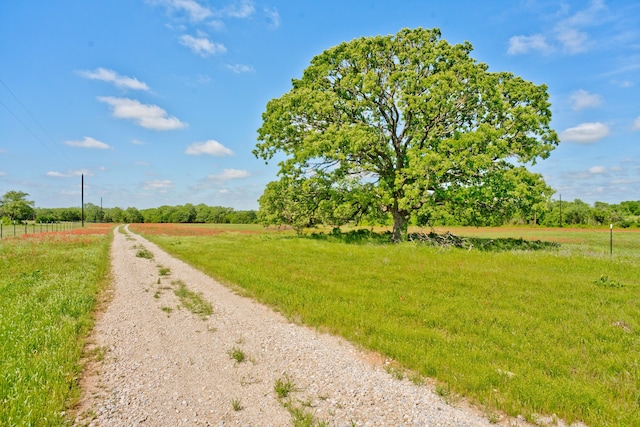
[[67, 164], [32, 132]]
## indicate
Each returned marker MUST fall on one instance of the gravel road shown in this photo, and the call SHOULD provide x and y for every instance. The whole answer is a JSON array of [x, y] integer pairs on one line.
[[158, 364]]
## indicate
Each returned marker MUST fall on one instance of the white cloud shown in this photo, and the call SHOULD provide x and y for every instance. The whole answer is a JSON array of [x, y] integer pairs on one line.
[[629, 66], [567, 35], [193, 9], [273, 17], [568, 31], [201, 45], [137, 142], [525, 44], [636, 124], [88, 142], [624, 181], [597, 170], [586, 17], [623, 83], [239, 68], [583, 99], [216, 24], [240, 9], [229, 174], [3, 173], [203, 79], [70, 173], [157, 184], [211, 147], [57, 174], [112, 77], [220, 179], [572, 40], [145, 115], [585, 133]]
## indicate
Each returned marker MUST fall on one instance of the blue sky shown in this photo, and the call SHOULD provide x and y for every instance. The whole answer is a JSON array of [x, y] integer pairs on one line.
[[158, 101]]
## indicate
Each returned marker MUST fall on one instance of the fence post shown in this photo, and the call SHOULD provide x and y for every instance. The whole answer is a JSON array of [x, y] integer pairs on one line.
[[25, 228], [610, 240], [14, 228]]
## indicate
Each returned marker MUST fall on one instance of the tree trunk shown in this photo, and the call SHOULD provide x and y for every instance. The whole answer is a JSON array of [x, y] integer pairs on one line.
[[400, 221]]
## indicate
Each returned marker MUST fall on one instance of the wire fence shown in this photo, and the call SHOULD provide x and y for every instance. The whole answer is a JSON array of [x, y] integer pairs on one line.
[[15, 229]]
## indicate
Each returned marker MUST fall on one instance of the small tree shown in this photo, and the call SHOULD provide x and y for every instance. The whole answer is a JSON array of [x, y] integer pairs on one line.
[[415, 120], [15, 206]]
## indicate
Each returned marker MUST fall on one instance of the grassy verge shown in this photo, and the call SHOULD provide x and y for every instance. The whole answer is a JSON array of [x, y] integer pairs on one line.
[[48, 288], [523, 332]]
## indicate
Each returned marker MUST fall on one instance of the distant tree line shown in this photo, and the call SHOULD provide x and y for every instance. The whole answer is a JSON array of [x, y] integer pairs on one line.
[[168, 214], [556, 213], [578, 213], [14, 206]]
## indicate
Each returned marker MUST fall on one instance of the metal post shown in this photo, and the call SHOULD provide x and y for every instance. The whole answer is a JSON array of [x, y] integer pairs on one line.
[[610, 239]]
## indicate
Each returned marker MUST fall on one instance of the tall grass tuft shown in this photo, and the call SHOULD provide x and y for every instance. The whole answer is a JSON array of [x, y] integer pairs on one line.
[[193, 301]]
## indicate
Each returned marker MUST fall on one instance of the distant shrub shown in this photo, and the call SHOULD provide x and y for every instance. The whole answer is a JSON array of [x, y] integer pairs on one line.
[[604, 281]]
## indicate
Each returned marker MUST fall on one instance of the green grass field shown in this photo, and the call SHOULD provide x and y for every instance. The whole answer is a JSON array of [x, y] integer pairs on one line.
[[553, 331], [48, 290]]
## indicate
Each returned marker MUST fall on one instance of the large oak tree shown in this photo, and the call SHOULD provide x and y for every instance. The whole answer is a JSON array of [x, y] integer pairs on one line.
[[417, 122]]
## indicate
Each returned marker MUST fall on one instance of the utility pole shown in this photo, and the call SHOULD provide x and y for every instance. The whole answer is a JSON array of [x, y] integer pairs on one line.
[[82, 215], [560, 210]]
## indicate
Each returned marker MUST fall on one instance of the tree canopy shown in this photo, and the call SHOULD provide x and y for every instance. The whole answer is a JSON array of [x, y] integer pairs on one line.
[[406, 123], [15, 206]]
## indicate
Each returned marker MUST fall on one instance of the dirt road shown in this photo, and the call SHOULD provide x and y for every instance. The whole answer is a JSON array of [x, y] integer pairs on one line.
[[159, 364]]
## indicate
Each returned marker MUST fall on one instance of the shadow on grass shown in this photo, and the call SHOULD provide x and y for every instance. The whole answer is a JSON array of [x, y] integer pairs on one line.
[[510, 244], [361, 236], [365, 236]]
